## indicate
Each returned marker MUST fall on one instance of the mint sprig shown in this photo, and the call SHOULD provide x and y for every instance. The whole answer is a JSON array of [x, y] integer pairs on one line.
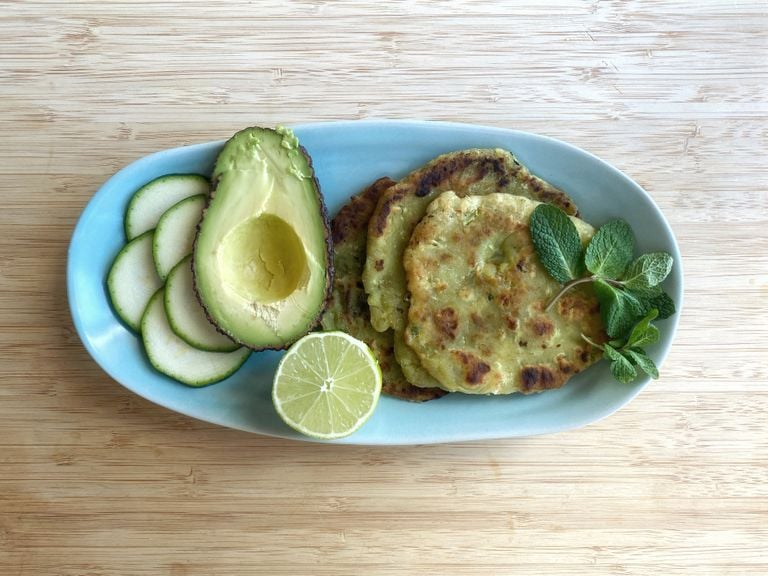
[[627, 356], [629, 291]]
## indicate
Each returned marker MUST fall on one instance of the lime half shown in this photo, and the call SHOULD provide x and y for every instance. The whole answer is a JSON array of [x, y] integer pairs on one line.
[[327, 385]]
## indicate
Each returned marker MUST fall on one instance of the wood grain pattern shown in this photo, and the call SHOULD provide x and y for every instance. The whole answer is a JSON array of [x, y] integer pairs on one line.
[[96, 481]]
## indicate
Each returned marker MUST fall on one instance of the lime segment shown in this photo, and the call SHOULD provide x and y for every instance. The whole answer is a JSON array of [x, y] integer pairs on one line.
[[327, 385]]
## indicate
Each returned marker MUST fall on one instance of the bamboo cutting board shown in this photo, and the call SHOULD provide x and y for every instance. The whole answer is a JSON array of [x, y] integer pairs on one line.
[[94, 480]]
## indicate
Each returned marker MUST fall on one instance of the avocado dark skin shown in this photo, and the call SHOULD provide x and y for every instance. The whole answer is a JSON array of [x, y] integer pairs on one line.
[[262, 259]]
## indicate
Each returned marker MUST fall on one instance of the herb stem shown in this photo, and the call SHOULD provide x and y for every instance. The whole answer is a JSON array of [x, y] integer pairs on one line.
[[592, 342], [568, 285]]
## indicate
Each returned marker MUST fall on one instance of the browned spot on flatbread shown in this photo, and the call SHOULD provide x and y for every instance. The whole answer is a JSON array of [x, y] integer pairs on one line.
[[354, 215], [383, 210], [564, 365], [551, 195], [577, 306], [474, 368], [537, 378], [408, 391], [542, 327], [446, 321], [441, 172]]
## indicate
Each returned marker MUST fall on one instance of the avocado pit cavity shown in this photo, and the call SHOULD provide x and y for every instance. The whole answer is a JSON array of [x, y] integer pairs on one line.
[[263, 260]]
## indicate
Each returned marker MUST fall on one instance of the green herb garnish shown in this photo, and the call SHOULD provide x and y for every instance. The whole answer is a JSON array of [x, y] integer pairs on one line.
[[629, 291], [557, 242], [626, 355]]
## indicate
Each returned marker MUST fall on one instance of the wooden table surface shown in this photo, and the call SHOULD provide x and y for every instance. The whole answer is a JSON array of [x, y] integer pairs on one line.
[[95, 480]]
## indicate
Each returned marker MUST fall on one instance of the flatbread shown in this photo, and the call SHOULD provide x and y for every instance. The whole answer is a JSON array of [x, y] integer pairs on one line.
[[410, 364], [476, 319], [467, 172], [347, 308]]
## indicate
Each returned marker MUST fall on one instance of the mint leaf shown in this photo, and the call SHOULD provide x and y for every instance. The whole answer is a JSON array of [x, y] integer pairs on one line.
[[621, 367], [643, 361], [644, 332], [557, 242], [663, 303], [645, 274], [610, 250], [619, 309], [650, 335], [623, 371], [611, 353]]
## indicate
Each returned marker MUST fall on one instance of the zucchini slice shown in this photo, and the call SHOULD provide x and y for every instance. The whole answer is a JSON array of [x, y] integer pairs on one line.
[[151, 201], [173, 357], [175, 233], [186, 315], [132, 280]]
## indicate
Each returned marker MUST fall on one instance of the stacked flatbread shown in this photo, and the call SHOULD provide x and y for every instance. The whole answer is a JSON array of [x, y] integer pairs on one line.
[[437, 273]]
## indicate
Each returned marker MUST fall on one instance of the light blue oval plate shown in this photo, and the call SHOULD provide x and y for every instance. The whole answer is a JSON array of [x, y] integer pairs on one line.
[[348, 156]]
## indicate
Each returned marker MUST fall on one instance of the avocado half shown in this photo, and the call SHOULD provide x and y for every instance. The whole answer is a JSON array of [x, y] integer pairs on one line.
[[262, 254]]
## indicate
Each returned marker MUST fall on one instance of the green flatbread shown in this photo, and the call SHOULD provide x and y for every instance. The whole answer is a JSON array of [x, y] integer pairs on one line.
[[467, 172], [347, 308], [477, 321]]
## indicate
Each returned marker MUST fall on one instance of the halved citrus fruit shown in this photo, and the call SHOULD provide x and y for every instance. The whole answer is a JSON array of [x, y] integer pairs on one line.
[[327, 385]]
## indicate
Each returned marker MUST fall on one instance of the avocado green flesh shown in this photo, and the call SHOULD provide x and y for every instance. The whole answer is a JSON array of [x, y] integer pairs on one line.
[[261, 258]]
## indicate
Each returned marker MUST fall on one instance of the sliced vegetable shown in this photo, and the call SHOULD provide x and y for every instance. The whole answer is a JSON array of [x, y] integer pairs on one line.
[[151, 201], [132, 280], [173, 357], [175, 233], [186, 315]]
